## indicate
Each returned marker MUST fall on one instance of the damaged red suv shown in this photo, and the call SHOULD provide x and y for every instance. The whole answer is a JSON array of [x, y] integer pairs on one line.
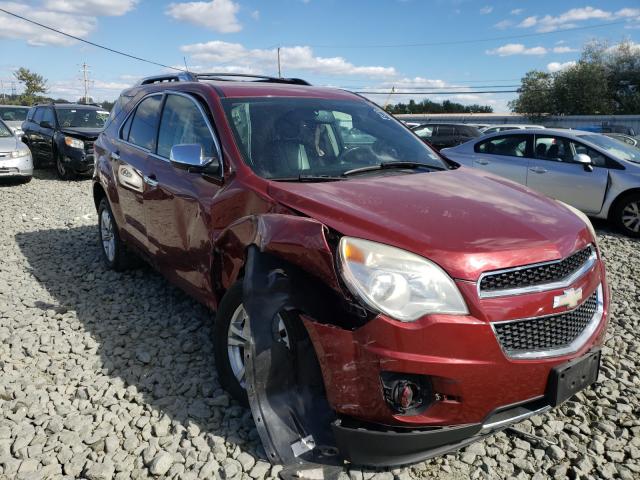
[[375, 303]]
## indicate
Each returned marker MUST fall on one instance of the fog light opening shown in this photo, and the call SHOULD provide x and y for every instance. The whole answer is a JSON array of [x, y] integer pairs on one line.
[[406, 394]]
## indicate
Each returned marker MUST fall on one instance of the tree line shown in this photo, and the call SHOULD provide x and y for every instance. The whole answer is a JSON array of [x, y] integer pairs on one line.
[[428, 106], [604, 81]]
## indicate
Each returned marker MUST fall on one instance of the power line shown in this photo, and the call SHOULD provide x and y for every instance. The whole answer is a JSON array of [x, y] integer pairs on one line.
[[455, 92], [134, 57], [448, 87], [476, 40]]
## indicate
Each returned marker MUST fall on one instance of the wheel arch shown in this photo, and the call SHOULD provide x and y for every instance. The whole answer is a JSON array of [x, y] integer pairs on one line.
[[621, 196], [98, 194]]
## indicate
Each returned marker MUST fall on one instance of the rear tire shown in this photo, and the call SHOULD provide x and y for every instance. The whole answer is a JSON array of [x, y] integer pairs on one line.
[[626, 215], [26, 179], [114, 252]]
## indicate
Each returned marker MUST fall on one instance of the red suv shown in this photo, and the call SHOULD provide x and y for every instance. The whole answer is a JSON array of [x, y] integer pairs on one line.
[[375, 302]]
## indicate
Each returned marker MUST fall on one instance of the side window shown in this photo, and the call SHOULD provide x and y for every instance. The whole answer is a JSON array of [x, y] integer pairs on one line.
[[183, 123], [446, 131], [145, 122], [548, 147], [508, 145], [124, 133], [31, 113], [37, 116], [597, 158], [47, 116]]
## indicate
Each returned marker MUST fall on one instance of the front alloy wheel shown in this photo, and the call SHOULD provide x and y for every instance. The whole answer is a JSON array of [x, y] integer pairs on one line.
[[627, 215], [114, 253], [64, 173]]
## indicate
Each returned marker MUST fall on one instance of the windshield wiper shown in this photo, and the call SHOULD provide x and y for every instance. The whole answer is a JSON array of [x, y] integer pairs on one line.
[[309, 178], [389, 165]]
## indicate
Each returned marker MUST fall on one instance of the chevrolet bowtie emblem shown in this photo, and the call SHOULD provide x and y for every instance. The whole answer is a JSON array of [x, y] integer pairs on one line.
[[570, 298]]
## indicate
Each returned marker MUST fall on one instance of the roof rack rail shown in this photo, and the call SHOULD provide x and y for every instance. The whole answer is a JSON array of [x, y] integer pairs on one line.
[[170, 77], [258, 78]]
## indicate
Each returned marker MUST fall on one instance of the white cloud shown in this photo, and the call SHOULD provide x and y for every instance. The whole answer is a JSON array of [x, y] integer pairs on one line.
[[300, 58], [255, 14], [91, 7], [218, 15], [571, 18], [12, 28], [557, 66], [517, 11], [564, 49], [503, 24], [516, 49], [486, 10], [72, 89]]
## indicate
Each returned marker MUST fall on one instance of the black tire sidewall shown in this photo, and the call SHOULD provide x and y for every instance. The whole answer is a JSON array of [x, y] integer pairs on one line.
[[635, 197], [57, 157]]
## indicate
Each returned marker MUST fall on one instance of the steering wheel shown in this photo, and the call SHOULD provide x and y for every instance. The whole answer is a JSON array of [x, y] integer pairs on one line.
[[357, 155]]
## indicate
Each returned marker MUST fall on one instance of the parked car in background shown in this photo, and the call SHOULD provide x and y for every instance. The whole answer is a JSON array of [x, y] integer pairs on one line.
[[63, 134], [628, 139], [609, 129], [507, 126], [370, 296], [15, 157], [594, 173], [13, 116], [480, 126], [443, 135]]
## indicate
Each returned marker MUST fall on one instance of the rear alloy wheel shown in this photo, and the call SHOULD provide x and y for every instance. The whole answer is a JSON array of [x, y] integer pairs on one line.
[[627, 215], [64, 172]]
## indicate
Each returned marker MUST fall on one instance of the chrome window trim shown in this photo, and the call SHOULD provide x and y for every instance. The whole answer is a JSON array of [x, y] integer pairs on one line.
[[573, 347], [565, 282]]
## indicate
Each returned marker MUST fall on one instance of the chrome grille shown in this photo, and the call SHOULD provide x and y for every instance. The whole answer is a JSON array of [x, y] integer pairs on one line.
[[506, 282], [552, 334]]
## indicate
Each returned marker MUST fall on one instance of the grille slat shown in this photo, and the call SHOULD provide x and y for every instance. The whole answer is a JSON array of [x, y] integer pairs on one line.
[[536, 274], [546, 333]]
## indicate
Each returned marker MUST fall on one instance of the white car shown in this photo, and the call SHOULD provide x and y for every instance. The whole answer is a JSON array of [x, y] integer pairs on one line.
[[15, 157], [13, 116], [508, 126]]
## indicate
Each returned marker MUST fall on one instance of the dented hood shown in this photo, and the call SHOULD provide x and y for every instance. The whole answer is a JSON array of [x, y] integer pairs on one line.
[[466, 221]]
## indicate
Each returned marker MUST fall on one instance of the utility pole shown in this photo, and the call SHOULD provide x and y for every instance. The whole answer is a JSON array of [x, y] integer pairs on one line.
[[279, 67], [386, 103], [2, 89], [13, 89], [85, 81]]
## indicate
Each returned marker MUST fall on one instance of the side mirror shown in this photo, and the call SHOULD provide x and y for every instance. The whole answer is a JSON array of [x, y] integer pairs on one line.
[[582, 158], [45, 124], [189, 156]]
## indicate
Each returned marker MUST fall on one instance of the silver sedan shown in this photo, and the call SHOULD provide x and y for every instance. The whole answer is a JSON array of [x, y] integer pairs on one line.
[[15, 157], [595, 174]]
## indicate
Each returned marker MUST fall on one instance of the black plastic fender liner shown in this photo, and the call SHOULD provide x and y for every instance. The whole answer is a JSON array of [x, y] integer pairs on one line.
[[284, 384]]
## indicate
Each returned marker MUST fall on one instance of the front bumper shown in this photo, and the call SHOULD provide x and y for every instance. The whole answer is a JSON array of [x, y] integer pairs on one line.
[[16, 167], [81, 162], [471, 376]]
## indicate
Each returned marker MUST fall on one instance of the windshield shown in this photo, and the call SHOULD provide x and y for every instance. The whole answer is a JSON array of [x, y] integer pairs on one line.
[[615, 147], [81, 117], [293, 137], [13, 114], [4, 130]]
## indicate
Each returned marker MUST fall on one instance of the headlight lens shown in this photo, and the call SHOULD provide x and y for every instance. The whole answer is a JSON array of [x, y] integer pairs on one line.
[[74, 142], [396, 282], [23, 152]]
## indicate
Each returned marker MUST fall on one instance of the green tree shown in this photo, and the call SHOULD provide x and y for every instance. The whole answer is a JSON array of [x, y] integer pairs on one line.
[[582, 90], [33, 85], [536, 95]]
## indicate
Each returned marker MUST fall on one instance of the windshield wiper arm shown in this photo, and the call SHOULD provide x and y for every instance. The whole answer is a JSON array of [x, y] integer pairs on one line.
[[389, 165], [309, 178]]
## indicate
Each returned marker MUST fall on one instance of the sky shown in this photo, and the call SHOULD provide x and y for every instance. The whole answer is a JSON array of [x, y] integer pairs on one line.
[[375, 45]]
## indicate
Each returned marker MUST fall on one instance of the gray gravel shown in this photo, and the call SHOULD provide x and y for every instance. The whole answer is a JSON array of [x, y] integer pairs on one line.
[[106, 375]]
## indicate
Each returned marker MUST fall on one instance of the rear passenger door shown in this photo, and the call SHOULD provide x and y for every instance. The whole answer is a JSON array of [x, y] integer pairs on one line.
[[137, 139], [178, 205], [553, 172], [504, 155]]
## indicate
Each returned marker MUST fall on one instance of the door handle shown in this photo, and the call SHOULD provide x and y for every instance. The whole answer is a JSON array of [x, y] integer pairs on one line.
[[150, 180], [115, 156], [482, 162], [538, 170]]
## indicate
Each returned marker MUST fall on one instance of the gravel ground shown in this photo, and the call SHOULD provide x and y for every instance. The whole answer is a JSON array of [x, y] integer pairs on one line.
[[107, 375]]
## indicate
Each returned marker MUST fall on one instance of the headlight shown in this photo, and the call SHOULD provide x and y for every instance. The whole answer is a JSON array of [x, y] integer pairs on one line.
[[74, 142], [20, 153], [582, 217], [396, 282]]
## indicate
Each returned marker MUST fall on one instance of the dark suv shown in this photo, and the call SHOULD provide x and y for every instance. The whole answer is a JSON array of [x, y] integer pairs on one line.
[[63, 134], [374, 302], [445, 135]]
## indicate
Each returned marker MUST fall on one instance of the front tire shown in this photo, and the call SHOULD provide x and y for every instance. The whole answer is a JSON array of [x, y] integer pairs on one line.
[[114, 253], [230, 333], [626, 215], [64, 172]]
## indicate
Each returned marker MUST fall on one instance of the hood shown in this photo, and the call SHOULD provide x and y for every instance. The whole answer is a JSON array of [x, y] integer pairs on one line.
[[9, 144], [467, 221], [82, 133]]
